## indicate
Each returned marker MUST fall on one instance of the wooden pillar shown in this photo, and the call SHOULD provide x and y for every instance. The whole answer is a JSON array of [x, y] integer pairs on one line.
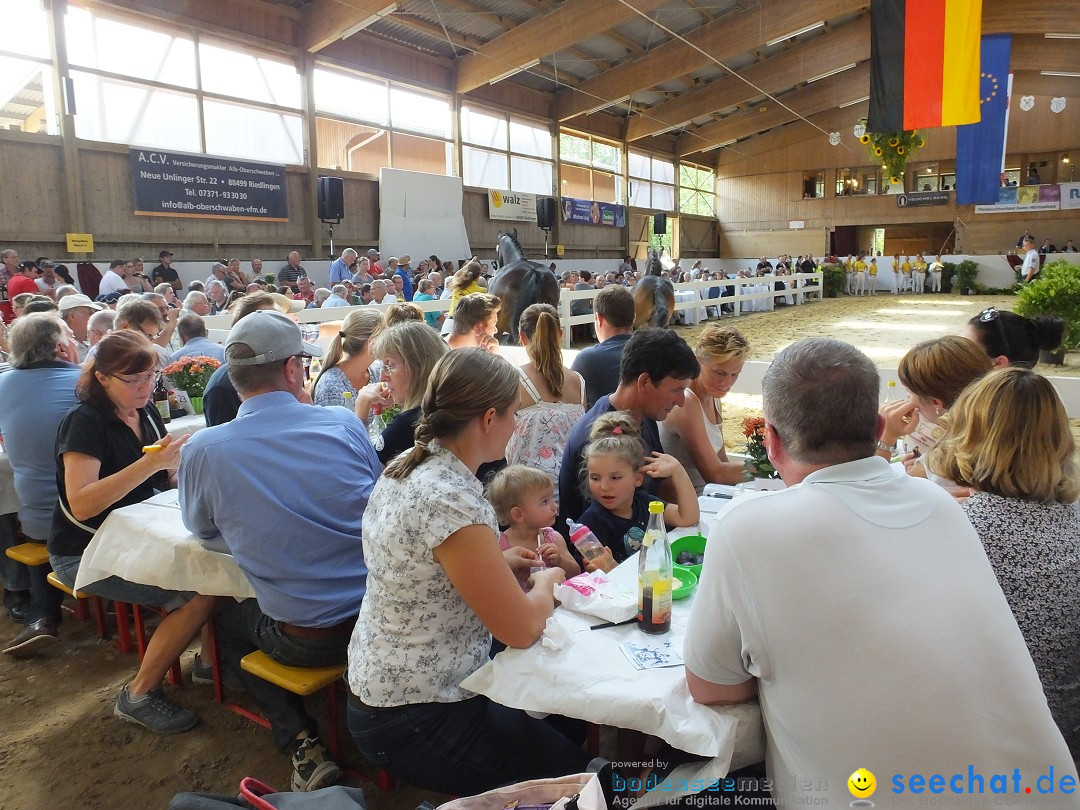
[[73, 191], [315, 225]]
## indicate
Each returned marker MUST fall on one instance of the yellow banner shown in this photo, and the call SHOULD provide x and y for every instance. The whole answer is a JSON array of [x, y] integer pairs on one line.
[[80, 242]]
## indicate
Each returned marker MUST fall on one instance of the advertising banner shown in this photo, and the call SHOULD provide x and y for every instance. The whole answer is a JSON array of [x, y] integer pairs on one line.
[[512, 205], [176, 184], [590, 212], [918, 199], [1070, 195]]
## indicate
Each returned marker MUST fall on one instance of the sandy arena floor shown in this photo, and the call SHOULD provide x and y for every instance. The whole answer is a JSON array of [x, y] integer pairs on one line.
[[63, 748]]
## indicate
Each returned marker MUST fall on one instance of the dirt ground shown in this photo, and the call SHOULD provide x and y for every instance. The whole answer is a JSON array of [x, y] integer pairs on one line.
[[63, 748]]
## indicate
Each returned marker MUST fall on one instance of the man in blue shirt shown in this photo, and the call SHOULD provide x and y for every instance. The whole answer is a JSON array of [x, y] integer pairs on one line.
[[599, 364], [35, 395], [196, 343], [341, 268], [285, 486], [655, 368]]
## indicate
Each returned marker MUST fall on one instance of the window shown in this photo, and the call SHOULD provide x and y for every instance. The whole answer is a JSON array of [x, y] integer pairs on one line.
[[813, 185], [138, 83], [27, 102], [866, 180], [652, 181], [365, 123], [513, 152], [590, 168], [697, 190]]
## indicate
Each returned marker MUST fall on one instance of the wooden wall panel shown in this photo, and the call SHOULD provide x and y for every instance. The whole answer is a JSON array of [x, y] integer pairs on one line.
[[32, 180], [771, 243], [378, 57], [697, 237]]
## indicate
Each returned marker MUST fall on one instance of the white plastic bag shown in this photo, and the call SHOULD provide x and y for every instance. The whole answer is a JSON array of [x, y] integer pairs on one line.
[[597, 594]]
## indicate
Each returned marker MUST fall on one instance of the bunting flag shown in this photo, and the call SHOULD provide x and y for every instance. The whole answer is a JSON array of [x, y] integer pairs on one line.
[[924, 63], [980, 148]]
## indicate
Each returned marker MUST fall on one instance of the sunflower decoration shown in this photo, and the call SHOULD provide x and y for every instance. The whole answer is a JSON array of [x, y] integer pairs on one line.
[[892, 149]]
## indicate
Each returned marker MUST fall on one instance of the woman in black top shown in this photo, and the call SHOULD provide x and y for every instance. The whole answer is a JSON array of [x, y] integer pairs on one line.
[[101, 466]]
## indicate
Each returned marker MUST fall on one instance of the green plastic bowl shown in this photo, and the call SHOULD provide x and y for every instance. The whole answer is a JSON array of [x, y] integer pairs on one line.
[[686, 581], [693, 543]]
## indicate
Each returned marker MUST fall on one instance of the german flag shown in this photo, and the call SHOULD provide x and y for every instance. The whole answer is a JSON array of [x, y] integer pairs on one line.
[[924, 63]]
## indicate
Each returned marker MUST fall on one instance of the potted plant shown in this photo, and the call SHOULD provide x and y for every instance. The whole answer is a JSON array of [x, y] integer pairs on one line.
[[1056, 291], [832, 278], [758, 464], [191, 374], [966, 273], [948, 273]]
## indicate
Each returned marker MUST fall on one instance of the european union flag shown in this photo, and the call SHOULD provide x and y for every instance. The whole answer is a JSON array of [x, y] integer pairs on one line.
[[980, 147]]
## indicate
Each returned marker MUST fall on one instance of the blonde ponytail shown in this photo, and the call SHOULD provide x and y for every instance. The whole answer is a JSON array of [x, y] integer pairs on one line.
[[540, 324]]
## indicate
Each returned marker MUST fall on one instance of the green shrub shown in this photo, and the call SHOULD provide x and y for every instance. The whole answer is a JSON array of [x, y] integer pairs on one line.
[[833, 279], [966, 273], [1056, 291], [948, 271]]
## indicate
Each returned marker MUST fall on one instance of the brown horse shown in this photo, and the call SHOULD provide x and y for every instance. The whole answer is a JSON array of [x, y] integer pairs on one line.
[[654, 296], [520, 283]]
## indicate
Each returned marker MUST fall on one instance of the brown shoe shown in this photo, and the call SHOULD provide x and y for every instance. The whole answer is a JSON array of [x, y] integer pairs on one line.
[[34, 639]]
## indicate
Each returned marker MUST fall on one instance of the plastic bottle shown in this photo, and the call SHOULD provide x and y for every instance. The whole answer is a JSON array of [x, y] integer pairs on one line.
[[655, 576], [890, 392], [347, 399], [375, 424], [591, 549]]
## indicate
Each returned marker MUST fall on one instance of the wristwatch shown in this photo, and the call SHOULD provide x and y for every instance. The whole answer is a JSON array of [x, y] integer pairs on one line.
[[888, 448]]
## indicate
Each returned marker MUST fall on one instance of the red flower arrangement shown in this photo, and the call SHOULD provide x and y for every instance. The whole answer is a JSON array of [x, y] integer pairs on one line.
[[754, 431]]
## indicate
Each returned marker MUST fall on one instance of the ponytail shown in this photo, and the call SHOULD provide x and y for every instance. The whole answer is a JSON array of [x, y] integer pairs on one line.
[[352, 338], [540, 324]]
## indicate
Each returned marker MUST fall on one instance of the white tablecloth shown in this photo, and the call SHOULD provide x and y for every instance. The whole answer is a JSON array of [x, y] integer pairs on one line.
[[756, 304], [690, 315], [148, 543], [591, 679]]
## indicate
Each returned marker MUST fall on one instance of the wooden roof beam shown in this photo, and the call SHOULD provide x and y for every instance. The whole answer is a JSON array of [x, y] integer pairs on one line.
[[813, 98], [329, 20], [844, 45], [566, 25], [723, 38]]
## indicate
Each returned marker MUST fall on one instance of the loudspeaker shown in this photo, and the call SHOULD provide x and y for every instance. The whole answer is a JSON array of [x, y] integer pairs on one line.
[[659, 223], [331, 198], [545, 212]]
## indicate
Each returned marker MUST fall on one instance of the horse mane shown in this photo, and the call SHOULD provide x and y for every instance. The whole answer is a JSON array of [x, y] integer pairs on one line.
[[513, 241], [653, 267]]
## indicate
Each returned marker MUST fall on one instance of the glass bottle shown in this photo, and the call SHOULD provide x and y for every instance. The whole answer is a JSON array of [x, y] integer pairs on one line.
[[655, 575], [161, 400]]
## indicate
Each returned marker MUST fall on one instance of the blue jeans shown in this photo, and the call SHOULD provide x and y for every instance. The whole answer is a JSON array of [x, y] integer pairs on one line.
[[243, 628], [462, 748], [119, 590]]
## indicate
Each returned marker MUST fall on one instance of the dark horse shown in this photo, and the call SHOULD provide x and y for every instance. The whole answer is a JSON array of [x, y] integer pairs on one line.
[[520, 283], [654, 297]]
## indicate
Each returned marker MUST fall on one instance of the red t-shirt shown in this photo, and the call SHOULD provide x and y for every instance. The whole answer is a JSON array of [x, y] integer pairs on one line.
[[21, 284]]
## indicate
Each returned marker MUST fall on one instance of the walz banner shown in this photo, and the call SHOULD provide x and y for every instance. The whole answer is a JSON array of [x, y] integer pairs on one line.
[[513, 205]]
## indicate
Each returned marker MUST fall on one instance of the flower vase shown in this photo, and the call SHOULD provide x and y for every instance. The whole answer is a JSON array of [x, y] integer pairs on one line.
[[196, 404]]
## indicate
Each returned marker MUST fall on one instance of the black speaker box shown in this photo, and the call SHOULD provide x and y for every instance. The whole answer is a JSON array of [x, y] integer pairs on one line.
[[659, 223], [545, 212], [331, 198]]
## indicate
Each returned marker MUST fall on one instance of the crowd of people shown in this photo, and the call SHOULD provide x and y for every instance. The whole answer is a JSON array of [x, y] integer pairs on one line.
[[411, 547]]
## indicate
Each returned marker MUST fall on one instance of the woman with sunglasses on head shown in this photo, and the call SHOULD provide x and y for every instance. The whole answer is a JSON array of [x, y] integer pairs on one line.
[[1013, 340], [1009, 440], [112, 451]]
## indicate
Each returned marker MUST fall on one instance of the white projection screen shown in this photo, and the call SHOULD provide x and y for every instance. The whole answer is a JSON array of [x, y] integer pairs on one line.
[[421, 214]]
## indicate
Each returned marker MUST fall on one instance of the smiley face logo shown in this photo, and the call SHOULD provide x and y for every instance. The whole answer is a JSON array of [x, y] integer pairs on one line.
[[862, 784]]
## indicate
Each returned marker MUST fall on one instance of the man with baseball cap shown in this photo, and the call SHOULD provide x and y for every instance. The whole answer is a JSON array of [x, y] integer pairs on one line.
[[163, 273], [285, 489], [76, 311]]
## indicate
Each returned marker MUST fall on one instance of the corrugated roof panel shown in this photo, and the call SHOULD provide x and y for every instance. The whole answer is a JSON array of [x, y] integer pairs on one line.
[[477, 24], [387, 28], [604, 47]]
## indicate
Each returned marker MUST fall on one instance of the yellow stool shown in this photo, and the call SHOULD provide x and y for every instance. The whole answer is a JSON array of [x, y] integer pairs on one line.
[[29, 553], [80, 603]]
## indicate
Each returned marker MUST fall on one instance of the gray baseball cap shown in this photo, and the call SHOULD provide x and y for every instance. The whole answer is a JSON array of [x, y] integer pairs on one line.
[[272, 336]]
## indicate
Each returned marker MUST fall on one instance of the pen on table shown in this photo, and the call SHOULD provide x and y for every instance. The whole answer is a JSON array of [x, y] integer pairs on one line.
[[613, 624]]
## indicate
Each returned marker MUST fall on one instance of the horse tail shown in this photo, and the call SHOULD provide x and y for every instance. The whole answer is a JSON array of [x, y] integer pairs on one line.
[[528, 294]]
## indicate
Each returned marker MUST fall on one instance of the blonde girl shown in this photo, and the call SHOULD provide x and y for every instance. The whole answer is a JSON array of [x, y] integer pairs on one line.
[[348, 359], [524, 501], [615, 468]]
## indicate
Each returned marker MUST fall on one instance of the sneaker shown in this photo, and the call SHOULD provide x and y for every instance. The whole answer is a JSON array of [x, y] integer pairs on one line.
[[34, 638], [155, 712], [311, 767], [202, 672]]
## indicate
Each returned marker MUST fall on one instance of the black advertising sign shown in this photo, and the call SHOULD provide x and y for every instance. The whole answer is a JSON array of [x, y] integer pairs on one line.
[[917, 199], [176, 184]]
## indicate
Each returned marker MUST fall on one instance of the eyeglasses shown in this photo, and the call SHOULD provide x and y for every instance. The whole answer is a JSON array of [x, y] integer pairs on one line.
[[391, 368], [142, 379]]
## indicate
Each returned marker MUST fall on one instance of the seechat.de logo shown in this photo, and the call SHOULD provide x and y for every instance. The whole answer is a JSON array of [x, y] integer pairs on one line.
[[862, 785]]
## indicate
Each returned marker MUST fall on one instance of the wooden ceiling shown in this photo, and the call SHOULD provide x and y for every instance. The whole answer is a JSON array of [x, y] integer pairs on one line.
[[709, 73]]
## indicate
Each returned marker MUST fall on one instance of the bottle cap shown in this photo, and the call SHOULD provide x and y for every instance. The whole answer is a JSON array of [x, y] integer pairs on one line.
[[656, 507], [579, 533], [891, 384]]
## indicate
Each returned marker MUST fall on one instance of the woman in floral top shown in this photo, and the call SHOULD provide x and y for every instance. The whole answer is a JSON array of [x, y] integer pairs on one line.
[[438, 587], [1009, 440]]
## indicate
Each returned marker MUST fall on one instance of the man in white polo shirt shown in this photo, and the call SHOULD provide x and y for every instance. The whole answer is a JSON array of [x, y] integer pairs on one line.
[[859, 607]]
